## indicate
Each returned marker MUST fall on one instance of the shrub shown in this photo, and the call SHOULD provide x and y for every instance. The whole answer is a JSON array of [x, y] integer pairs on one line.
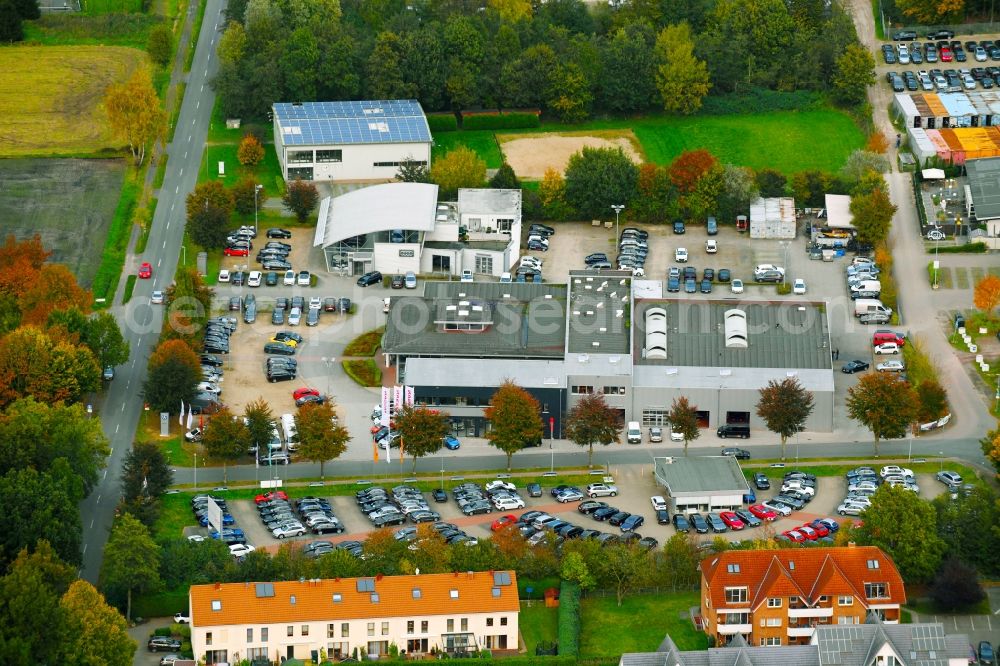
[[500, 120], [974, 248], [364, 372], [783, 288], [163, 631], [442, 122], [759, 100], [569, 619]]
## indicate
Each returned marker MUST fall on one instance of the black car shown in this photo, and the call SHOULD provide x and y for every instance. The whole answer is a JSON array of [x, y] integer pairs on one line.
[[706, 286], [279, 348], [373, 277], [237, 278], [590, 506], [681, 523], [281, 361], [536, 246], [632, 523], [165, 643], [595, 258], [679, 227], [605, 513], [279, 233], [748, 518], [281, 375], [619, 518], [234, 304], [534, 490], [673, 284], [215, 347], [310, 399], [761, 481], [271, 279], [276, 265], [662, 517], [904, 35], [851, 367], [690, 273], [542, 228], [698, 522], [724, 275], [709, 274], [439, 495], [397, 282], [344, 305], [277, 317], [739, 454], [281, 336]]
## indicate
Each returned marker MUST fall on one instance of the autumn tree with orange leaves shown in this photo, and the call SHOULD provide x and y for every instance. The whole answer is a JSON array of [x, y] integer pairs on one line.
[[34, 364], [688, 167], [987, 294]]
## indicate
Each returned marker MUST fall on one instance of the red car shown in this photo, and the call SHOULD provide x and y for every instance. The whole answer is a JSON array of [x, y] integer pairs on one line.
[[763, 512], [808, 532], [145, 271], [946, 54], [821, 529], [267, 497], [236, 252], [731, 520], [794, 536], [503, 521], [304, 391]]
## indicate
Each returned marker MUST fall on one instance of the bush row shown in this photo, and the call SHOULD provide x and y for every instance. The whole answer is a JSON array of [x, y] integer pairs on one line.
[[442, 122], [975, 248], [761, 100], [500, 120], [569, 619]]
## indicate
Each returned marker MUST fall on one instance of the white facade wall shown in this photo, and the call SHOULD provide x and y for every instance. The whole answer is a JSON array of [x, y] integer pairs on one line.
[[391, 258], [357, 160], [299, 640], [499, 261]]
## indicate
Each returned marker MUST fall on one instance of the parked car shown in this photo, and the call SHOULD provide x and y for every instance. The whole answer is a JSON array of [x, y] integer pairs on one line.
[[852, 367], [761, 481], [373, 277]]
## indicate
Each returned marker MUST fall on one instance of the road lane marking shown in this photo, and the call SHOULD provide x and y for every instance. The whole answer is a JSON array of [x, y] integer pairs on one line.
[[133, 363], [197, 106], [203, 87], [185, 157], [177, 189], [123, 406], [138, 341], [117, 427], [174, 203], [84, 551], [168, 224], [105, 473], [164, 245], [182, 170], [98, 499], [91, 523], [193, 120]]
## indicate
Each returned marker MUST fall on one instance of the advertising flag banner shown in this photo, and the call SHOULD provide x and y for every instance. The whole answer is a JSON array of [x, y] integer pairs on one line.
[[375, 451], [408, 391], [385, 405], [180, 419], [190, 417], [397, 399], [388, 451]]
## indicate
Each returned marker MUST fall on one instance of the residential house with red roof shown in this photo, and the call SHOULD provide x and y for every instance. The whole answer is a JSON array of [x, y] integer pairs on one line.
[[779, 597], [333, 618]]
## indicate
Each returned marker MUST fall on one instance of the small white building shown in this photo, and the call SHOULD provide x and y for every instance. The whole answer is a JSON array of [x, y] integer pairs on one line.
[[838, 212], [457, 613], [395, 228], [350, 141], [772, 218]]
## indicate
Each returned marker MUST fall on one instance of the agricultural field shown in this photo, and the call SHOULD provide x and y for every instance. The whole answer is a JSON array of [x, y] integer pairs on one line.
[[50, 98], [789, 141], [70, 203]]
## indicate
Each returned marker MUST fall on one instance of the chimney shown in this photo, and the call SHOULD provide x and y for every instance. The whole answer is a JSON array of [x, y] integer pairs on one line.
[[851, 544]]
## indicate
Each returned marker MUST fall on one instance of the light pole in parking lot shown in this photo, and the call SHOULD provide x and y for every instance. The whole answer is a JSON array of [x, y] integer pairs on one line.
[[618, 208], [328, 362], [196, 471], [256, 189]]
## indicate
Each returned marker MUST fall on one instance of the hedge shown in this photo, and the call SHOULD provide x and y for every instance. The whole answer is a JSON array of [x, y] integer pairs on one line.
[[442, 122], [759, 100], [500, 120], [569, 619], [974, 248]]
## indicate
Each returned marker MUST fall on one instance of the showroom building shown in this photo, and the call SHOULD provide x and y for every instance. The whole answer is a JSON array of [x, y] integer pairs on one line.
[[350, 141]]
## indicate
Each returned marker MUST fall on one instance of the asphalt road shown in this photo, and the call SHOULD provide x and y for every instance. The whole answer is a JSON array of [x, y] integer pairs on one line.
[[140, 322]]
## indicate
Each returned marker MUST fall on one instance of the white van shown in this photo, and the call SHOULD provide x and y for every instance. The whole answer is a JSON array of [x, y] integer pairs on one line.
[[633, 434], [288, 430], [870, 306]]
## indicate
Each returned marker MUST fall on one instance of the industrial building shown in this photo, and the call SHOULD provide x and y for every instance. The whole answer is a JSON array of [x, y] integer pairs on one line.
[[395, 228], [701, 483], [772, 218], [350, 141], [982, 198], [459, 341]]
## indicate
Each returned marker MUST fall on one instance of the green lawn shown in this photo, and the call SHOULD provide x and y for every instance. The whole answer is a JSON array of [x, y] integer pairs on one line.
[[268, 172], [104, 29], [789, 141], [538, 623], [607, 630]]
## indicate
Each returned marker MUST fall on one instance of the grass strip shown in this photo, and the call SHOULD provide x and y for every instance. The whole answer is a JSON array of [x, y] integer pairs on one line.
[[113, 257], [365, 344], [364, 372], [129, 287], [195, 33]]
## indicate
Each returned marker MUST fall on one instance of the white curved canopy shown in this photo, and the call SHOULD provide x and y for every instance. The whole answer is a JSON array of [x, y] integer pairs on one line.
[[407, 206]]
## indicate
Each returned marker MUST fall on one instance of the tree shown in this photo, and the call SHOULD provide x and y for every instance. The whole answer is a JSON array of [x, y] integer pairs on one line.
[[38, 507], [930, 12], [785, 406], [160, 44], [991, 447], [146, 475], [233, 43], [250, 151], [94, 634], [28, 10], [552, 194], [248, 194], [961, 524], [225, 439], [872, 215], [956, 586], [134, 112], [877, 143], [681, 558], [884, 404], [574, 569], [771, 183], [681, 78], [320, 435], [131, 560], [689, 167], [412, 171], [987, 294], [505, 178], [104, 338], [460, 167], [515, 419], [621, 566], [683, 419], [260, 423], [739, 190], [905, 527], [421, 430], [32, 364], [861, 163], [597, 178], [174, 372], [853, 72], [568, 94], [300, 198], [627, 80], [53, 288], [208, 227], [11, 29], [933, 401], [592, 420]]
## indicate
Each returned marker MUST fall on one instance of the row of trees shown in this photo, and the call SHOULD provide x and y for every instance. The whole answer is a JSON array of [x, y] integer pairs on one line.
[[564, 57], [13, 13]]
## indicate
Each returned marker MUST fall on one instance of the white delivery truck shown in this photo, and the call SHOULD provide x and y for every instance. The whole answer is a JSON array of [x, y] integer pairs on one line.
[[288, 430], [633, 434], [868, 306], [866, 289]]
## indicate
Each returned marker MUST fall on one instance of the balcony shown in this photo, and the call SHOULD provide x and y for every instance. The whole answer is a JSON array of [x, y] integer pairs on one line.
[[729, 629], [801, 632], [810, 612]]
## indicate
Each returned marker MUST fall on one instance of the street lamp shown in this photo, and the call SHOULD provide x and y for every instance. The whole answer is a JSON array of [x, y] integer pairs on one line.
[[196, 471], [256, 188], [618, 208], [328, 362]]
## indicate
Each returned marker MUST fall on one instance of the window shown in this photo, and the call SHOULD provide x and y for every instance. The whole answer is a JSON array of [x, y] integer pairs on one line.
[[302, 173], [305, 629], [465, 624], [329, 155], [417, 593], [489, 622], [208, 638], [291, 630], [250, 635], [216, 605], [582, 390], [423, 626], [257, 654], [409, 626], [505, 224], [416, 645], [503, 622], [396, 164], [475, 223], [876, 590], [496, 642], [451, 625], [736, 595], [774, 602], [773, 622], [345, 630], [263, 634], [300, 156], [775, 640], [440, 263], [371, 628], [337, 650], [654, 417], [846, 600], [848, 619], [736, 618], [453, 594], [733, 568], [385, 628], [873, 564], [484, 264], [614, 390]]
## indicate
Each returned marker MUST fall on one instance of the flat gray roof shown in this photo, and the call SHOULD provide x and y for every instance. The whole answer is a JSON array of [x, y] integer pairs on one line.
[[700, 475], [598, 313], [528, 321], [488, 201], [785, 334], [485, 372], [984, 182]]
